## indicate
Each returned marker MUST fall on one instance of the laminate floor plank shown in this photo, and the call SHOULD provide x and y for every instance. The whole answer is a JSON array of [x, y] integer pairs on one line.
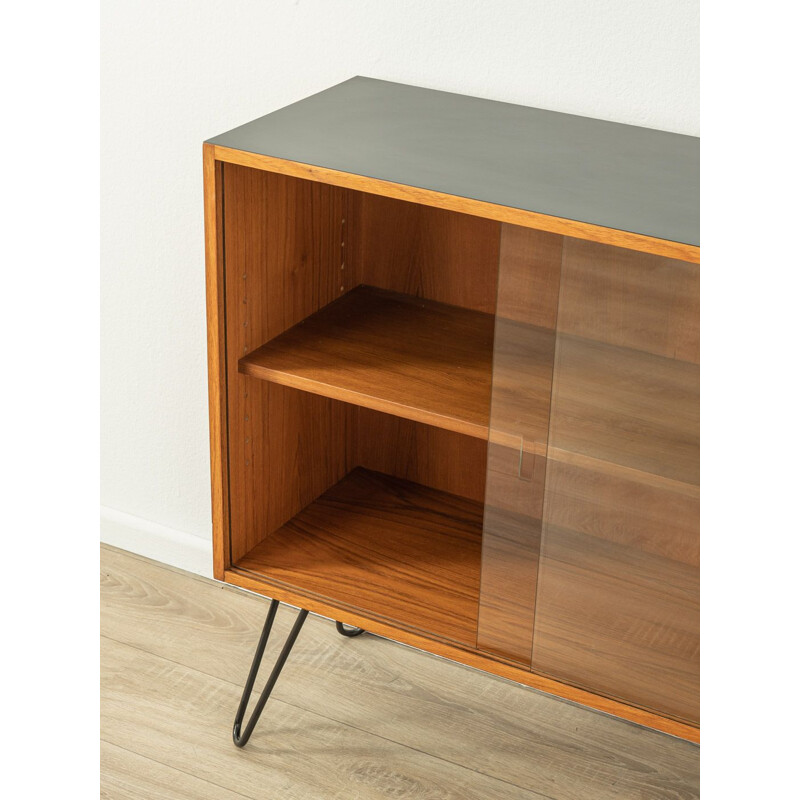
[[129, 776], [180, 717], [353, 707]]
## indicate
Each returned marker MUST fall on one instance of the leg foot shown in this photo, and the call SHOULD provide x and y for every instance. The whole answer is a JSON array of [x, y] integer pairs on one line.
[[348, 631]]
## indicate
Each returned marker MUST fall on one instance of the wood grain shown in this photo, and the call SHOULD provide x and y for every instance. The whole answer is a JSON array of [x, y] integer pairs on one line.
[[425, 252], [636, 300], [509, 567], [521, 737], [618, 587], [151, 705], [620, 621], [128, 776], [217, 365], [515, 216], [661, 518], [283, 256], [529, 275], [524, 350], [419, 360], [486, 662], [626, 407], [414, 358], [522, 380], [420, 453], [392, 549]]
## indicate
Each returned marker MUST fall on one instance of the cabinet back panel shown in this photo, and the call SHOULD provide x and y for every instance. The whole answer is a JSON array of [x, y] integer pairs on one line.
[[441, 459], [654, 516], [529, 275], [630, 299], [424, 251]]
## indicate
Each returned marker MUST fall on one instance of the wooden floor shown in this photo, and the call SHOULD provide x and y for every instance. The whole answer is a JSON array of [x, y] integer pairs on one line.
[[349, 718]]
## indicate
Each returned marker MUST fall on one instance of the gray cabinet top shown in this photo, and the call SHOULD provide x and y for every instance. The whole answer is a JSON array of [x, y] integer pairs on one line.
[[618, 176]]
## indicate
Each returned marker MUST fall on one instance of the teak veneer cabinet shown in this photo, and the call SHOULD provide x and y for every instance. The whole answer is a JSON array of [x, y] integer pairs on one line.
[[454, 384]]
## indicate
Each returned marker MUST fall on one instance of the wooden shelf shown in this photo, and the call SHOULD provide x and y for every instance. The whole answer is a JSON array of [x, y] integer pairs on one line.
[[421, 360], [386, 547], [413, 358], [432, 363]]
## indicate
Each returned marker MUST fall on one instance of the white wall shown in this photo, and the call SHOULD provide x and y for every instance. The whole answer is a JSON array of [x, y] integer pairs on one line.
[[175, 72]]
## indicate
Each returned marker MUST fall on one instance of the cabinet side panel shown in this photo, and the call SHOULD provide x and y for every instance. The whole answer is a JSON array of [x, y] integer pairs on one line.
[[283, 250], [217, 379], [617, 607], [426, 252]]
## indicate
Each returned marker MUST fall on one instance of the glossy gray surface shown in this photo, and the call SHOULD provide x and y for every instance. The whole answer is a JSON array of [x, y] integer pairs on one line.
[[618, 176]]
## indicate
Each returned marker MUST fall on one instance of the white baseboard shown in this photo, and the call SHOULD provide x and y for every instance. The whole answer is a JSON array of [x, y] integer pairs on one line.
[[149, 539]]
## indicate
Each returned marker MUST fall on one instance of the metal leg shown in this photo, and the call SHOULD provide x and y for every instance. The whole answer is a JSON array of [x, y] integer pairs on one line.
[[239, 738], [348, 631]]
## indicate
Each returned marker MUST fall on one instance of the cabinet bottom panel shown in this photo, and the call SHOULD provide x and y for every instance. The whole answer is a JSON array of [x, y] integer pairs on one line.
[[468, 656], [384, 546]]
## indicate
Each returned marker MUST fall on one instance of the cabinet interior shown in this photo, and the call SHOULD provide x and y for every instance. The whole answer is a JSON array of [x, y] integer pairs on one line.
[[359, 356], [390, 369]]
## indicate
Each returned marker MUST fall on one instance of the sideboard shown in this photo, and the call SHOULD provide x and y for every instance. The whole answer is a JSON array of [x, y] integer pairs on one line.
[[453, 352]]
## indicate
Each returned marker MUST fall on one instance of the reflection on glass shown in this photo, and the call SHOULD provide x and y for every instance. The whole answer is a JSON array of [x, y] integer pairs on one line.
[[617, 598], [524, 341]]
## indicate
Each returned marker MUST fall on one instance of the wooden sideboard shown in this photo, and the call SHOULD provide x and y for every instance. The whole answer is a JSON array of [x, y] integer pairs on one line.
[[454, 384]]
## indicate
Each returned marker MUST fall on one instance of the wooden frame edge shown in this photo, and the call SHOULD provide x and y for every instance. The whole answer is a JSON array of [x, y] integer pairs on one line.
[[217, 387], [469, 658], [514, 216]]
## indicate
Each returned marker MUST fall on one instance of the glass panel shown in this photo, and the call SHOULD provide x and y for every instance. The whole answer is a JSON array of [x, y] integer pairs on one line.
[[617, 608], [524, 342]]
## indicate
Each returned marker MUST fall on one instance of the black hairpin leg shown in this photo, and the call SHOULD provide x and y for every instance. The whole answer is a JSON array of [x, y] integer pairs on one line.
[[239, 738], [348, 631]]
